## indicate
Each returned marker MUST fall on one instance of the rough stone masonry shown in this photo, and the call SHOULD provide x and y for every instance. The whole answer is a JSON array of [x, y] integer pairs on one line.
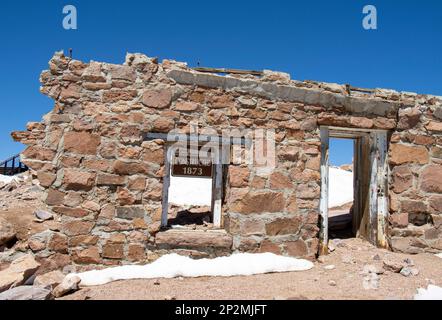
[[105, 182]]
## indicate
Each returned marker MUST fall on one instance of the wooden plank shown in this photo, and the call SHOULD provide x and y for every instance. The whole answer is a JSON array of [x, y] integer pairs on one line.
[[217, 196], [382, 199], [217, 188], [323, 206], [148, 136], [363, 171], [166, 184], [357, 212], [373, 203], [232, 71], [355, 131]]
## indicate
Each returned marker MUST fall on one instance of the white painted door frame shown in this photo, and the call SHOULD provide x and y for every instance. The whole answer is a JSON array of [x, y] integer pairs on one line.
[[323, 204], [217, 182], [378, 198]]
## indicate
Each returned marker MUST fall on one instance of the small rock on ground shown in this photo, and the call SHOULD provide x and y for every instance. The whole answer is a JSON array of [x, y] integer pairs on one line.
[[27, 293], [68, 285], [51, 279], [43, 215]]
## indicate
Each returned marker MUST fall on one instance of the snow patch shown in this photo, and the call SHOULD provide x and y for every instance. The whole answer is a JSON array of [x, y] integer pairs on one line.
[[174, 265], [198, 191], [6, 179], [340, 187], [439, 255], [190, 191], [431, 293]]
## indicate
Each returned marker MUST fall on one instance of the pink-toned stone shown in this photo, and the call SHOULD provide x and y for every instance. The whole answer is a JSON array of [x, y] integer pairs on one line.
[[279, 180], [259, 202], [113, 251], [268, 246], [71, 212], [163, 125], [157, 98], [283, 226], [130, 168], [58, 242], [81, 142], [400, 154], [296, 248], [77, 227], [434, 126], [186, 106], [78, 180], [110, 180], [38, 153], [398, 220], [54, 197], [239, 176], [89, 255], [194, 238], [402, 179], [431, 179], [119, 95], [46, 179], [136, 252]]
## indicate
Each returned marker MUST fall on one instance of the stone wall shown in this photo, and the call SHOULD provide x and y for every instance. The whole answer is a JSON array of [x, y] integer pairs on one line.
[[105, 182], [416, 178]]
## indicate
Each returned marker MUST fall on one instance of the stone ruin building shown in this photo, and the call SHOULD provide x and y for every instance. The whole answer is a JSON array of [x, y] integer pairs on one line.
[[102, 156]]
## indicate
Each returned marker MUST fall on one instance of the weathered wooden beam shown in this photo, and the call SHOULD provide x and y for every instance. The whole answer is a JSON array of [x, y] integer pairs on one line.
[[231, 71], [382, 198], [192, 138], [166, 185], [323, 205], [350, 88]]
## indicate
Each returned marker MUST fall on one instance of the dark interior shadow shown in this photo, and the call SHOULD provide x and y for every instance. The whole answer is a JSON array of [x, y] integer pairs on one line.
[[341, 226], [185, 217]]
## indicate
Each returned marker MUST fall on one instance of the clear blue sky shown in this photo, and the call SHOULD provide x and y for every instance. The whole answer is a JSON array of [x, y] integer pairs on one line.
[[317, 40]]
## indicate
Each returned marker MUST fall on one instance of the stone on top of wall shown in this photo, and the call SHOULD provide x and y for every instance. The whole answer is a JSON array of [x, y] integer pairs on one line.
[[287, 93]]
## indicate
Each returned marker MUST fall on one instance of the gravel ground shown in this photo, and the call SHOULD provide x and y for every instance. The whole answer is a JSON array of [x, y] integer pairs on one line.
[[345, 281]]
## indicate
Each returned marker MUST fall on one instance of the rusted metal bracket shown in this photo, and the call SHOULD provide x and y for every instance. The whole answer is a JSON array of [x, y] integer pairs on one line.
[[231, 71]]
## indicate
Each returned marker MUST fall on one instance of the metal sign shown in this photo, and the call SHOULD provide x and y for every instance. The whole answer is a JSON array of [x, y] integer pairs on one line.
[[191, 167]]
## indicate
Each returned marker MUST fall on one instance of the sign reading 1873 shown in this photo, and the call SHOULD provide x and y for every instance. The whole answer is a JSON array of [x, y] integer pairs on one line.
[[191, 167]]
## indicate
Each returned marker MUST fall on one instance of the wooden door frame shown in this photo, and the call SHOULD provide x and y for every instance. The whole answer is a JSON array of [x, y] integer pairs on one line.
[[217, 190], [378, 199]]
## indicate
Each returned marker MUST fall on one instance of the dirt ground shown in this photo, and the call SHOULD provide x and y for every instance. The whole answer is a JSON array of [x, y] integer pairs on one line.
[[345, 281]]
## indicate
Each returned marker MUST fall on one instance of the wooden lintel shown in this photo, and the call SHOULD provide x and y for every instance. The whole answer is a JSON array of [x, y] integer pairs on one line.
[[200, 138]]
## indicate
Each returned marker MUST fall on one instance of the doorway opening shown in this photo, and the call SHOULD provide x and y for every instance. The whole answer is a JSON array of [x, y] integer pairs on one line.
[[341, 188], [353, 204]]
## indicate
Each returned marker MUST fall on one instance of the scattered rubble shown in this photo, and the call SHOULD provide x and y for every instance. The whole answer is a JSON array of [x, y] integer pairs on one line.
[[68, 285], [7, 233], [21, 191], [18, 272], [393, 264], [27, 293], [51, 279], [405, 267], [408, 271]]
